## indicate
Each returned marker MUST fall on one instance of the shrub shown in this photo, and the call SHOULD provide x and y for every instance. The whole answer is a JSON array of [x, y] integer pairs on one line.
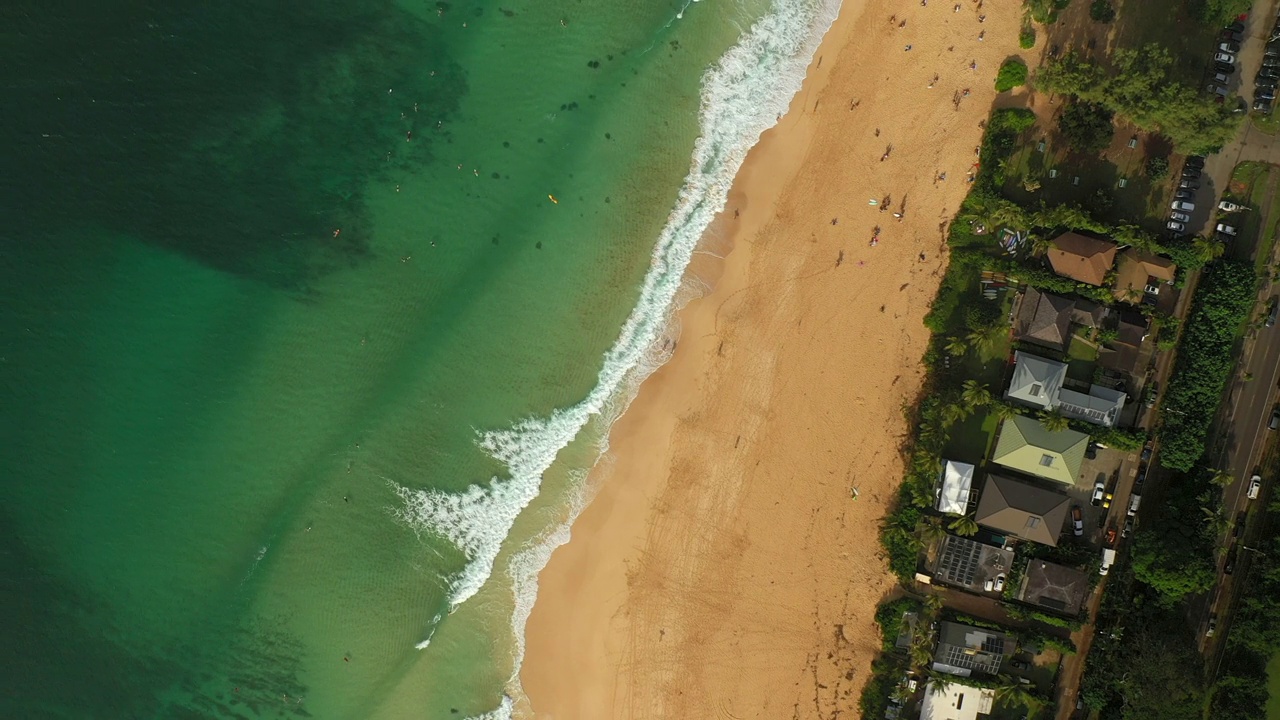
[[1012, 74], [1102, 11], [1027, 37], [1157, 168], [1087, 126]]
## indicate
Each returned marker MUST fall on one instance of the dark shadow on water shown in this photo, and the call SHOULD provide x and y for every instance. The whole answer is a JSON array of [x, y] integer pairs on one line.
[[239, 134]]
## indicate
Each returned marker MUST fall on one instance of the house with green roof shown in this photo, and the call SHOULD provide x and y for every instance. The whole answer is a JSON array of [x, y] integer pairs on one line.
[[1025, 445]]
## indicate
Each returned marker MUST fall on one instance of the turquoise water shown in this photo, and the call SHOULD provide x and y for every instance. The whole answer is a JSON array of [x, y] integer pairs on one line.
[[293, 331]]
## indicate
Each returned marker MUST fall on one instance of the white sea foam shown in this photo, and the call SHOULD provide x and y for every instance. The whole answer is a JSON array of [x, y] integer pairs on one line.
[[743, 94]]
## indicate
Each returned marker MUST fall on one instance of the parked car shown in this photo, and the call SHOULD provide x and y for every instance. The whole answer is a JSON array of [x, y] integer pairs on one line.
[[1134, 501], [1077, 521], [1147, 450], [1153, 393], [1227, 206], [1189, 184], [1019, 664], [1184, 194], [1267, 73], [1128, 527], [1224, 68], [1226, 229], [1262, 106], [1230, 565], [1183, 205], [1141, 478], [1255, 487], [1195, 161], [1190, 173], [1180, 217], [1000, 582], [1176, 226], [1224, 57], [1213, 626], [1274, 423], [1091, 450], [1099, 489], [1216, 89], [1273, 61], [1238, 529], [1108, 557], [1273, 313], [1265, 92]]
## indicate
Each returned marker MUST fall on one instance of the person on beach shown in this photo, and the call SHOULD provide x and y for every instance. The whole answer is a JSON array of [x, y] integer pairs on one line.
[[907, 48]]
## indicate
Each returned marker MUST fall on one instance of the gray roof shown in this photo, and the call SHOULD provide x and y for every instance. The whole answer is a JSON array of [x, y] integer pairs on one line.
[[1056, 587], [1036, 381], [1044, 319], [1021, 509], [1101, 406], [964, 649]]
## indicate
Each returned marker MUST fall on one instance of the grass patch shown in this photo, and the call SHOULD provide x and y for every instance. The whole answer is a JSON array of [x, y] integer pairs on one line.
[[971, 439], [1265, 122]]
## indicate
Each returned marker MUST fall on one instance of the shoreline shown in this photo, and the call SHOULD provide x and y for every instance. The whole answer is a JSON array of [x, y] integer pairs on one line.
[[724, 565]]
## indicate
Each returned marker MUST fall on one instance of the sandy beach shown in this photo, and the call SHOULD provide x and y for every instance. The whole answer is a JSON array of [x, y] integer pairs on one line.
[[725, 568]]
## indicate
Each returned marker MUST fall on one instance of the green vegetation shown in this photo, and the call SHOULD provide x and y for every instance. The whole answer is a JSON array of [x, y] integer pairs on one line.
[[1157, 167], [1102, 11], [1046, 12], [1027, 36], [1141, 86], [1173, 550], [1206, 357], [1013, 72], [1087, 126], [1219, 12]]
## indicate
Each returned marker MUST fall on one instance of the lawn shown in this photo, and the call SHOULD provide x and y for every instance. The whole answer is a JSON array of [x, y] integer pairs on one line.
[[1082, 359], [971, 439], [1253, 185], [1267, 123]]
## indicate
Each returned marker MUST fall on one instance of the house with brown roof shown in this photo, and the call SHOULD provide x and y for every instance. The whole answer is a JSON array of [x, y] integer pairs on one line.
[[1140, 275], [1081, 258], [1125, 353], [1046, 319]]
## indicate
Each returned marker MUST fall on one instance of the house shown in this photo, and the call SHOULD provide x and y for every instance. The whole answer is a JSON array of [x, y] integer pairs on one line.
[[1025, 445], [954, 701], [1043, 319], [965, 649], [1139, 276], [1082, 258], [1038, 383], [1056, 587], [954, 487], [1023, 510], [969, 564], [1124, 354]]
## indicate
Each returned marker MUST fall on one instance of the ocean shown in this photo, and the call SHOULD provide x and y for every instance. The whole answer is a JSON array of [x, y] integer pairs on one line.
[[315, 316]]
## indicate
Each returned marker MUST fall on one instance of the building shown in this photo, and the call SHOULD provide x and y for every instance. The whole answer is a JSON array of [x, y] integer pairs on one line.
[[1043, 319], [1056, 587], [1023, 510], [1140, 275], [955, 702], [1082, 258], [1036, 381], [1124, 354], [1025, 445], [964, 650], [969, 564], [1101, 406], [954, 487]]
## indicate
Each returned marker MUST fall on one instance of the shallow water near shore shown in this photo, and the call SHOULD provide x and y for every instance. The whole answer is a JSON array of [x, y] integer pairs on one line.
[[297, 304]]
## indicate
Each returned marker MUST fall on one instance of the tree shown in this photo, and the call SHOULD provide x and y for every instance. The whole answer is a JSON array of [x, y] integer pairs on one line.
[[953, 413], [1102, 11], [1087, 126], [1002, 410], [1157, 167], [931, 531], [957, 346], [1012, 692], [976, 394], [1053, 421], [964, 525], [1012, 73], [1008, 213], [1207, 250], [985, 340], [1221, 478]]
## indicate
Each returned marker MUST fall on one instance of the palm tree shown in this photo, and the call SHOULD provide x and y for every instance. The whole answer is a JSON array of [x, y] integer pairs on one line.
[[985, 339], [1008, 213], [964, 525], [975, 394], [1002, 410], [953, 413], [931, 531], [921, 655], [941, 681], [1207, 250], [1221, 478], [957, 346], [932, 606], [1039, 245], [1012, 692], [1053, 421]]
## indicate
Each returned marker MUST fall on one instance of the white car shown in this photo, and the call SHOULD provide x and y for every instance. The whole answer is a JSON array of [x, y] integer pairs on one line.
[[1224, 57], [1180, 217], [1226, 229], [1227, 206], [1099, 488], [1000, 582], [1183, 205], [1255, 486]]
